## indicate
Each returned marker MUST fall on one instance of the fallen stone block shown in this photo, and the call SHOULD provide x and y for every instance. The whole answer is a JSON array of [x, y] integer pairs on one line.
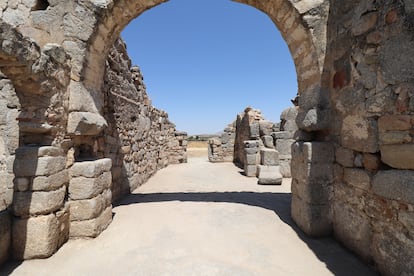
[[269, 175]]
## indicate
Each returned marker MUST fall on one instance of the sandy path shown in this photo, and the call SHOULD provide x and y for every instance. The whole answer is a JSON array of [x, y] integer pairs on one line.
[[200, 219]]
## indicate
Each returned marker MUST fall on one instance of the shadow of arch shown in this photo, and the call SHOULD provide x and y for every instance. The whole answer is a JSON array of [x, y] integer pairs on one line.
[[337, 259]]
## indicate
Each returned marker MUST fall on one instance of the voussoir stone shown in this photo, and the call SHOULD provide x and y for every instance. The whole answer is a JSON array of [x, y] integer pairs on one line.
[[85, 188], [91, 168]]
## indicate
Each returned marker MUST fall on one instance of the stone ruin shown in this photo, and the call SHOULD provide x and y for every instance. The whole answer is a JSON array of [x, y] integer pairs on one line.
[[260, 147], [352, 165]]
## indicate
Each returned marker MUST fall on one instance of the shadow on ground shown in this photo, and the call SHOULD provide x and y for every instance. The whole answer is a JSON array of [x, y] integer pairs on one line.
[[336, 258]]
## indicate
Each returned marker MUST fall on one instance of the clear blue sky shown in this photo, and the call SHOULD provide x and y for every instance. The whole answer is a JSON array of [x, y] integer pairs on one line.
[[205, 61]]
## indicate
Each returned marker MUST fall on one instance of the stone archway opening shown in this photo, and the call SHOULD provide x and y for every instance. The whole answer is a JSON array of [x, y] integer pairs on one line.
[[303, 27]]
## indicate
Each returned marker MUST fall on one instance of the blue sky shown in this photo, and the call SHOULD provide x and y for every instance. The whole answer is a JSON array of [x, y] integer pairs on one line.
[[205, 61]]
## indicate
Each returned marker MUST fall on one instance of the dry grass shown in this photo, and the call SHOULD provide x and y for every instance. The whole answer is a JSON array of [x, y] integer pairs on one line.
[[197, 144], [197, 148]]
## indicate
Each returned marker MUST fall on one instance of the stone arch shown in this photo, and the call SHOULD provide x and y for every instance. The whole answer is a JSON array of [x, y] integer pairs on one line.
[[303, 31]]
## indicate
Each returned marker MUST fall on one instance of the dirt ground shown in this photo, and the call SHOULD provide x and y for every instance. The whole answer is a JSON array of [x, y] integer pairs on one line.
[[200, 218]]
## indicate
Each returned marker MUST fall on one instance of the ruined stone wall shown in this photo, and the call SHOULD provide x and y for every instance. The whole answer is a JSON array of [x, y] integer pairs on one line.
[[261, 134], [139, 138], [372, 94], [221, 149], [357, 180]]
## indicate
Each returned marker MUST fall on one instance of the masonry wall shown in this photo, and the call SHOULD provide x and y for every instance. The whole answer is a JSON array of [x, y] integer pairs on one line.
[[140, 139], [357, 179], [373, 107]]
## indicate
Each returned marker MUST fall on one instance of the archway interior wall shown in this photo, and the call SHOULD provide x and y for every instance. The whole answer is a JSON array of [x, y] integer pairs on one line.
[[370, 60]]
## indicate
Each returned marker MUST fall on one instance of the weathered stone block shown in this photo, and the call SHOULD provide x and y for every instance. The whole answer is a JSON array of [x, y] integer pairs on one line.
[[252, 159], [85, 123], [314, 220], [353, 228], [250, 170], [358, 178], [254, 130], [35, 237], [395, 122], [86, 209], [315, 152], [38, 203], [90, 168], [285, 168], [269, 175], [345, 157], [395, 137], [312, 192], [392, 251], [283, 135], [407, 219], [84, 188], [34, 152], [251, 144], [266, 127], [371, 162], [52, 182], [395, 184], [360, 134], [62, 217], [93, 227], [107, 195], [284, 146], [269, 157], [268, 141], [38, 167], [5, 236], [398, 156]]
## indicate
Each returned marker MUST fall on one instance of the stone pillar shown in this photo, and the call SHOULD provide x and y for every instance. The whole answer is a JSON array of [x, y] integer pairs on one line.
[[40, 224], [252, 157], [312, 179], [90, 197]]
